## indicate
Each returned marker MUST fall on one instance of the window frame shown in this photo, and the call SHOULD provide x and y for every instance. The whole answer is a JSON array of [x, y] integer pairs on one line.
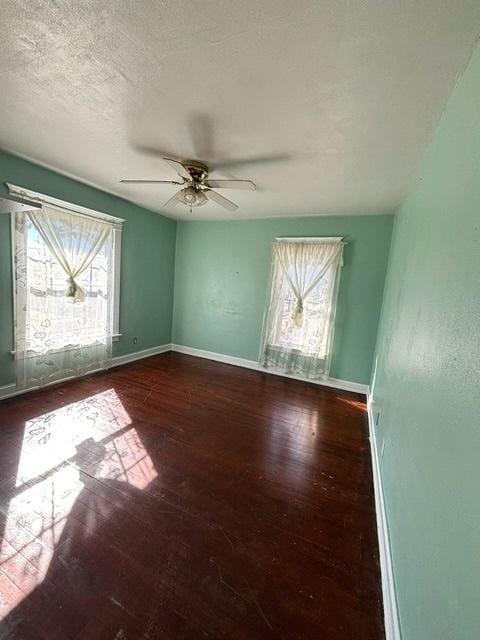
[[32, 200], [116, 276]]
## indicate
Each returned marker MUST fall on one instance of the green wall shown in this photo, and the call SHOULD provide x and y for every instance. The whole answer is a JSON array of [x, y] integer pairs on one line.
[[426, 386], [221, 277], [148, 257]]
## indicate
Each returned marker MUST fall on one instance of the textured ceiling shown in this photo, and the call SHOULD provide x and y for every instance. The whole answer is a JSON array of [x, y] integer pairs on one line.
[[343, 97]]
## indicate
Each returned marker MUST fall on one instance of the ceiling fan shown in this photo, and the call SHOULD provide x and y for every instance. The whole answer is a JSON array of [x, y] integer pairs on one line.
[[196, 187]]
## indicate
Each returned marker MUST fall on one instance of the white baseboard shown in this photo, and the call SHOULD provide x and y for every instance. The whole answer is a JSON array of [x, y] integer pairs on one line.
[[390, 611], [10, 390], [335, 383], [138, 355]]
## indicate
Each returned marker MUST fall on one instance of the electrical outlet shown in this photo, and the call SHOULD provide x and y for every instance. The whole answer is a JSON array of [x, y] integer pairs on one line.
[[135, 340]]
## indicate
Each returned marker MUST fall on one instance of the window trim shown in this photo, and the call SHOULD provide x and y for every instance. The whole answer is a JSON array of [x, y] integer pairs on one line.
[[36, 198], [116, 276], [14, 282]]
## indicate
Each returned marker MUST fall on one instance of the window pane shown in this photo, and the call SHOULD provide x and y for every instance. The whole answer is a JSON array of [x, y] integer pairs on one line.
[[50, 311], [310, 338]]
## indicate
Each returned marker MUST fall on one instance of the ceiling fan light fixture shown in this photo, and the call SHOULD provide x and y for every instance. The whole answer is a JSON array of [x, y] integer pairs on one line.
[[192, 197]]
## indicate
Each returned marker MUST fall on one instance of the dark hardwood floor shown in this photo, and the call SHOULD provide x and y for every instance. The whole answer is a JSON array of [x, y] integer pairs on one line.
[[180, 498]]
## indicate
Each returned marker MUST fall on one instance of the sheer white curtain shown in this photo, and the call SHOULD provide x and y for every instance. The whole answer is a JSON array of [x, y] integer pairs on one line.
[[64, 295], [299, 317], [74, 241]]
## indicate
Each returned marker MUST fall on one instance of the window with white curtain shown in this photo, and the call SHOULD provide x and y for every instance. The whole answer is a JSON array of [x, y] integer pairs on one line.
[[66, 289], [299, 317], [46, 290]]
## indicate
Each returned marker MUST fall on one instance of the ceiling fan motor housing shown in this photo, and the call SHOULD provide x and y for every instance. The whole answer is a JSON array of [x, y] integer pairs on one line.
[[197, 170]]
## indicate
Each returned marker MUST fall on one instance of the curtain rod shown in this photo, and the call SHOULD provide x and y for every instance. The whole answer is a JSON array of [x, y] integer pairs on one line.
[[33, 197], [312, 238]]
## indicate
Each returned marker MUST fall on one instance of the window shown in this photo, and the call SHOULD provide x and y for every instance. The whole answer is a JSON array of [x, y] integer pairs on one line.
[[67, 323], [67, 283], [301, 306], [311, 336]]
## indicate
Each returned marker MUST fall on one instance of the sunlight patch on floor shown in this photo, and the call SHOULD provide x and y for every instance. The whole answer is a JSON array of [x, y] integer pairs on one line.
[[61, 449], [53, 437]]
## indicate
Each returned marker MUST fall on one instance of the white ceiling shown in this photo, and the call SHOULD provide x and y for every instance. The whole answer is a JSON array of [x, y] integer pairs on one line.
[[343, 95]]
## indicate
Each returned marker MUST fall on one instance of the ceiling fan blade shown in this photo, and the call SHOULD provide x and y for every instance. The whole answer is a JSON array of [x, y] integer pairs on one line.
[[201, 133], [172, 202], [150, 182], [179, 168], [232, 184], [223, 202], [152, 151], [240, 162]]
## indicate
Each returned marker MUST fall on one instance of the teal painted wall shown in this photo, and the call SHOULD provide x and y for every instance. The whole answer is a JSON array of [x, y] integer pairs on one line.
[[221, 278], [427, 382], [148, 258]]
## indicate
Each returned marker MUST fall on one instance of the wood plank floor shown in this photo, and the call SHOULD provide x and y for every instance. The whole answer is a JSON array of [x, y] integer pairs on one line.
[[181, 498]]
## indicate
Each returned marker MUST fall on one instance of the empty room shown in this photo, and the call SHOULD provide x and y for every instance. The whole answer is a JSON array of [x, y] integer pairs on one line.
[[239, 320]]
